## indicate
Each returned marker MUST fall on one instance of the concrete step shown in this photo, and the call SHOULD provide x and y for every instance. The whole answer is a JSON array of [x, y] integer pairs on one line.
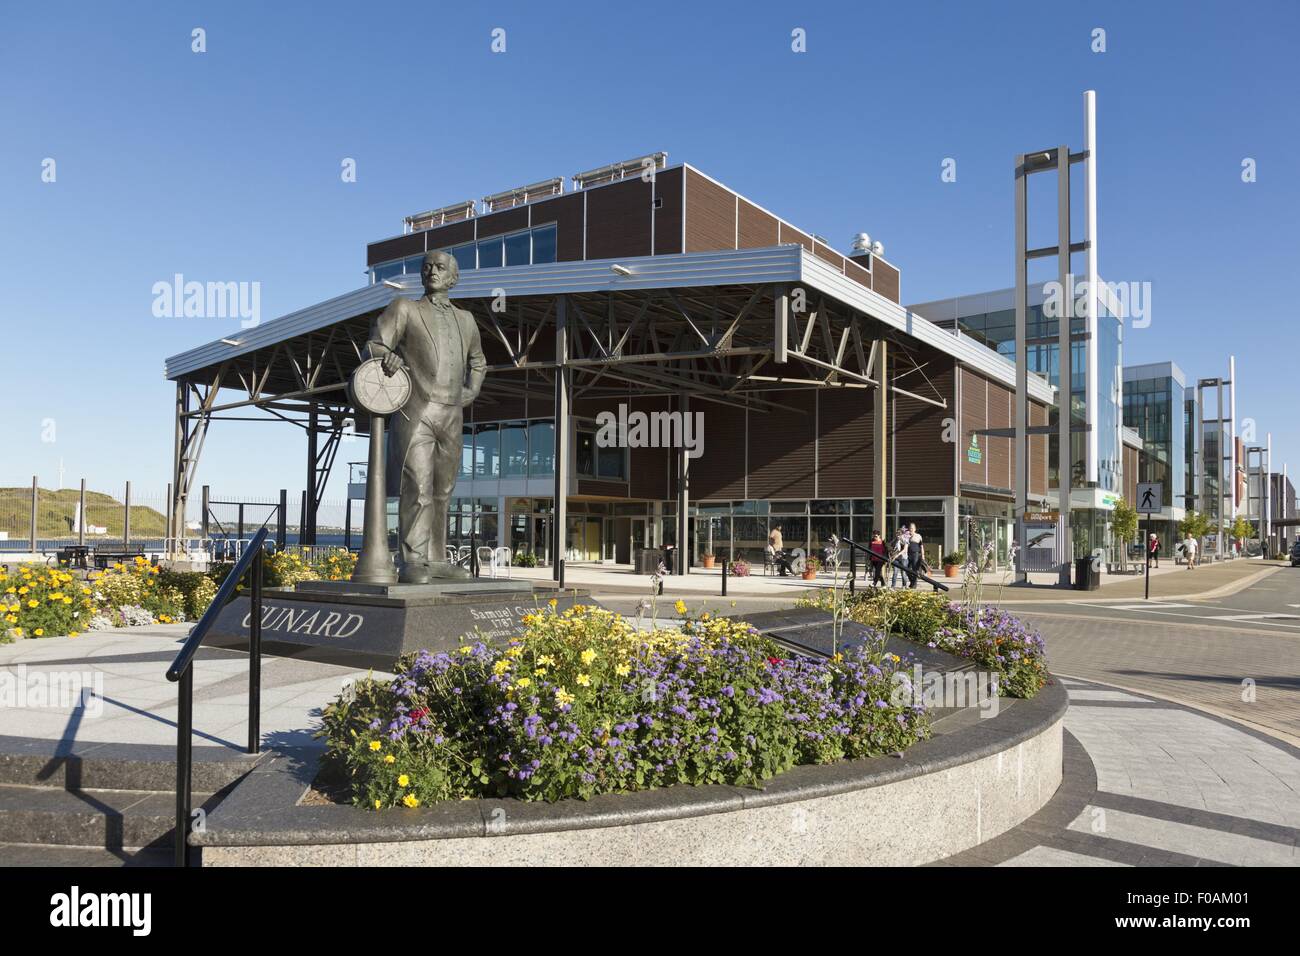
[[92, 766], [31, 854], [95, 818]]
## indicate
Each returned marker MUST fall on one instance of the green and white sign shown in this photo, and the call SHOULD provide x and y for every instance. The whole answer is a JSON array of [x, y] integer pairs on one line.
[[973, 453]]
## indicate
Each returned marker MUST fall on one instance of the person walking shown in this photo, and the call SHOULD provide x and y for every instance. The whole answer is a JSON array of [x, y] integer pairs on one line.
[[897, 555], [877, 549], [1153, 548], [777, 545], [914, 555], [1189, 551]]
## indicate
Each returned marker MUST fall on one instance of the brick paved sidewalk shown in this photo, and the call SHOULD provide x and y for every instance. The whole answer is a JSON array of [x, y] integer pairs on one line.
[[1149, 783], [1170, 582]]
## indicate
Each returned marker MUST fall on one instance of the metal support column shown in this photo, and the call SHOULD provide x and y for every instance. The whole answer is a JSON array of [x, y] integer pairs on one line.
[[81, 512], [683, 496], [1065, 470], [1021, 456], [880, 440], [32, 529], [559, 507], [308, 535], [126, 516]]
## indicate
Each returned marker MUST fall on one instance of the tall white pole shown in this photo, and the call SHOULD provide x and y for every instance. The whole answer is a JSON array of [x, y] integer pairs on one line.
[[1093, 298]]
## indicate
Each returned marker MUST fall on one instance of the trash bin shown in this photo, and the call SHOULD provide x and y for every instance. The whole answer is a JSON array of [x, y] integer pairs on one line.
[[1087, 574], [647, 560]]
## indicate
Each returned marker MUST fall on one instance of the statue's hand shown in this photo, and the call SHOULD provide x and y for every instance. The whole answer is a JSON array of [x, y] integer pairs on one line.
[[392, 362]]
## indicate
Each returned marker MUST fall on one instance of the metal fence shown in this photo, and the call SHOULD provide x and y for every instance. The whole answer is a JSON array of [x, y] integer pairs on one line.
[[44, 520]]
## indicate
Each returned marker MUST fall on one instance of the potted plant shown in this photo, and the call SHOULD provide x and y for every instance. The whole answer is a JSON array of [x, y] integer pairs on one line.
[[707, 559], [810, 566], [951, 562]]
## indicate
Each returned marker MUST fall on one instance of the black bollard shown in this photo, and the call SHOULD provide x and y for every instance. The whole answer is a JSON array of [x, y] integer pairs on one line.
[[853, 567], [724, 576], [561, 574]]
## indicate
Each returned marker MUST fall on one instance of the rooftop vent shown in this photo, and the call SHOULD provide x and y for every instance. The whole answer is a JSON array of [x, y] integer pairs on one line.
[[616, 171], [523, 194], [440, 217]]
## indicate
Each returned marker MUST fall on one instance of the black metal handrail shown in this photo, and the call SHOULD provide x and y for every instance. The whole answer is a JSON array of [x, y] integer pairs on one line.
[[854, 548], [182, 672]]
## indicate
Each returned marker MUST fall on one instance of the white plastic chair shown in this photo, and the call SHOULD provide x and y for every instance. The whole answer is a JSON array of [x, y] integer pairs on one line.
[[501, 561], [484, 557]]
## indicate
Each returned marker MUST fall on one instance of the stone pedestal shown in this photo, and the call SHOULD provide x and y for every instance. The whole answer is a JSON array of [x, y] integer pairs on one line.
[[371, 625]]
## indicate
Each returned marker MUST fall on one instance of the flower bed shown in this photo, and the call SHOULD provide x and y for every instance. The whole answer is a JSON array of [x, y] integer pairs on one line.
[[584, 704], [39, 601], [994, 639]]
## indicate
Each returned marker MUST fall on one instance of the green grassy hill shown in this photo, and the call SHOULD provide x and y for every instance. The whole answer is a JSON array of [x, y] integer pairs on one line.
[[55, 511]]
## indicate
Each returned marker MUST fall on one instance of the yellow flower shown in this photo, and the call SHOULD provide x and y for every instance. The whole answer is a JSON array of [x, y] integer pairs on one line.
[[562, 696], [546, 660], [23, 590], [540, 672], [411, 800], [389, 758], [622, 670], [523, 682], [552, 602], [679, 606], [403, 781], [67, 600], [33, 603], [378, 804], [72, 633], [376, 745], [500, 667], [514, 650], [584, 680], [12, 590], [39, 632], [465, 649], [587, 656]]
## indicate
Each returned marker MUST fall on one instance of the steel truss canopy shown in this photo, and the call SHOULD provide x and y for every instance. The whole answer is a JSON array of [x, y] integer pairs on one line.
[[735, 326]]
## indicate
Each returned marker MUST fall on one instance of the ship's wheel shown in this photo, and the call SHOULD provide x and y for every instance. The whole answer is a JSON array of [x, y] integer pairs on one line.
[[375, 392]]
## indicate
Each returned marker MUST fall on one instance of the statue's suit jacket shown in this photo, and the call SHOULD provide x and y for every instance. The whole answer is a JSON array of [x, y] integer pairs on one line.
[[440, 346]]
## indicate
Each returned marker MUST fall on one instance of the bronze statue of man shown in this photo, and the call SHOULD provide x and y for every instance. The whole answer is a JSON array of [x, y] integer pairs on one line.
[[439, 346]]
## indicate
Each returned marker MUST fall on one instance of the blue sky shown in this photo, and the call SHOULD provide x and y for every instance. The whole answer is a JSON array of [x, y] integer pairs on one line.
[[226, 166]]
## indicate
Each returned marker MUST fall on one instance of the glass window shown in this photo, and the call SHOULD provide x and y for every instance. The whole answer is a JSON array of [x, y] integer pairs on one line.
[[585, 463], [514, 450], [489, 253], [387, 271], [610, 462], [541, 449], [518, 249], [544, 244], [467, 451], [465, 255], [413, 264], [487, 451]]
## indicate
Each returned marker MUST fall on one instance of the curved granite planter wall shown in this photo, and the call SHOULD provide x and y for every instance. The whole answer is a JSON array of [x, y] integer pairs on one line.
[[975, 779]]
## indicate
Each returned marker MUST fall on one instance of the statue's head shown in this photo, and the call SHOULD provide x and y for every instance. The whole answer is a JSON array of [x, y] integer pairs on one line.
[[439, 271]]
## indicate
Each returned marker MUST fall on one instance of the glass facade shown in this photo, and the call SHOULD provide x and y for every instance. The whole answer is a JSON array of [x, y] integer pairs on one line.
[[528, 246], [511, 449], [1155, 407]]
